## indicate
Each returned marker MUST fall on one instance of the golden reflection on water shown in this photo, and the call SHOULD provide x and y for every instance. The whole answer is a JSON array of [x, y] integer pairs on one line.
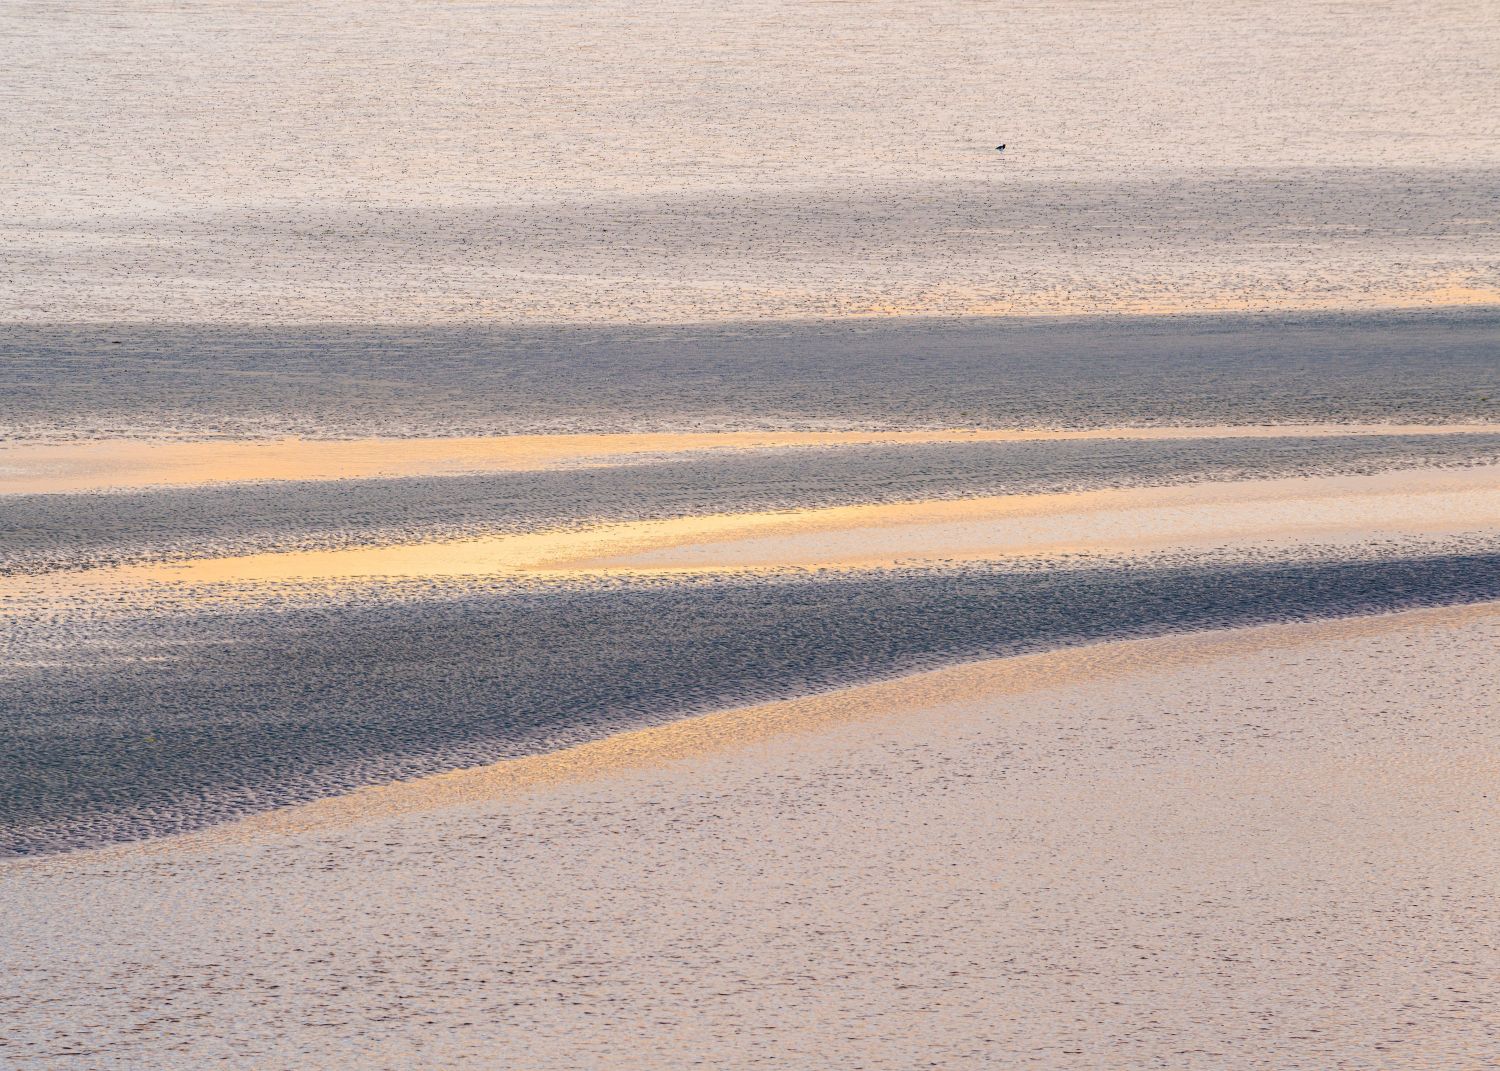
[[122, 464], [1451, 290], [1128, 521]]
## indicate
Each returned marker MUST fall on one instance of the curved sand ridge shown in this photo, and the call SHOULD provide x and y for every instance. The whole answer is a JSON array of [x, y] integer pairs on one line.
[[1269, 849], [912, 696], [129, 464], [1331, 510], [1287, 513]]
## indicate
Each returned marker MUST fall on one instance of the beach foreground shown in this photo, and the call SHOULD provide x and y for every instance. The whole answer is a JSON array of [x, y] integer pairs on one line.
[[1260, 848]]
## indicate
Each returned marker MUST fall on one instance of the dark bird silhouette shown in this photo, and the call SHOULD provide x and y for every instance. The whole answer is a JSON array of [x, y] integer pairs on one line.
[[1000, 147]]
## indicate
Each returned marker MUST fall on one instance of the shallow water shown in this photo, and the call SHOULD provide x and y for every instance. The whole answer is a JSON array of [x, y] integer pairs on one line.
[[108, 381], [650, 161]]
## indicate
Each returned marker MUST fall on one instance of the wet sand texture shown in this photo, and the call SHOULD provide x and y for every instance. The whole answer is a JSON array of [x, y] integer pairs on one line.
[[130, 464]]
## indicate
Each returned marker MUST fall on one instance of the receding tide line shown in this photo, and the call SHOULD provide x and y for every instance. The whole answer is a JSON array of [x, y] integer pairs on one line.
[[129, 464], [921, 694]]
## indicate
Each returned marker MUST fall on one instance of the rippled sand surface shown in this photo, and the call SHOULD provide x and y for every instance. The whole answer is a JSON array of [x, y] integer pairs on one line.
[[1267, 850]]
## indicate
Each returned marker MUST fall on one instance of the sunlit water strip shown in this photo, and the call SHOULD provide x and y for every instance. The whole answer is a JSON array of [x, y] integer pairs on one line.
[[1316, 511], [126, 464]]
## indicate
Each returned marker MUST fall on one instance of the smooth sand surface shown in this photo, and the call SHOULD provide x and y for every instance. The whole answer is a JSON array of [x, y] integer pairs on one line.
[[1266, 849], [128, 464]]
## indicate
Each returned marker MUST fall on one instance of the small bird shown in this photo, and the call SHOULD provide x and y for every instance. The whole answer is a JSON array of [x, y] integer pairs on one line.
[[1000, 147]]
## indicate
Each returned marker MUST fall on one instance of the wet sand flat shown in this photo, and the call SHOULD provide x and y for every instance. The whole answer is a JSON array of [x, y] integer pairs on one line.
[[127, 717], [519, 164], [698, 493], [1245, 848]]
